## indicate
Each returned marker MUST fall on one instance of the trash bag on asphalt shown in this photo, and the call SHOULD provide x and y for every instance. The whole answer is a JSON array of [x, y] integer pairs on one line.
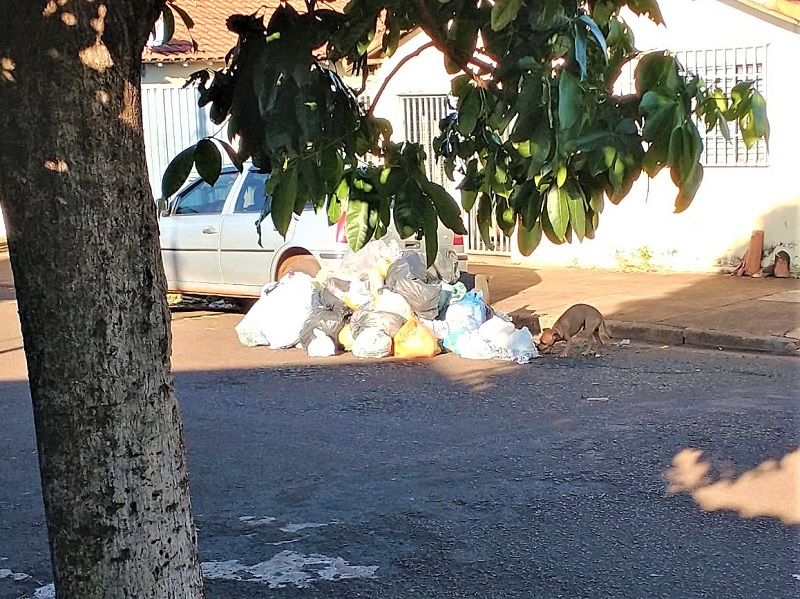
[[409, 266], [389, 301], [496, 339], [278, 316], [372, 343], [377, 255], [422, 297], [388, 322], [445, 267], [328, 314], [468, 313], [415, 340], [355, 292], [321, 346], [346, 337]]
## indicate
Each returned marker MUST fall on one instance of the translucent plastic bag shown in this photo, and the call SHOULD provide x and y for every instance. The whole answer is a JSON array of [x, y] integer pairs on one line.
[[321, 346], [468, 313], [388, 322], [389, 301], [372, 343], [277, 318], [415, 340], [376, 255]]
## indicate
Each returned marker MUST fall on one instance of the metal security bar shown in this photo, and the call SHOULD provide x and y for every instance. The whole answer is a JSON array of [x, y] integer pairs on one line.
[[421, 117], [475, 245], [172, 122], [726, 67]]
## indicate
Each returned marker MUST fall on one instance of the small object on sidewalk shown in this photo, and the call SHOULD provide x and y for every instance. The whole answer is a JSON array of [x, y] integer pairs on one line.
[[624, 343], [221, 304], [751, 262], [598, 399], [779, 267]]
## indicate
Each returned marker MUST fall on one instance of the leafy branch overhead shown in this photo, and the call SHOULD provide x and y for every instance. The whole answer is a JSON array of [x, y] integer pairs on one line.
[[537, 139]]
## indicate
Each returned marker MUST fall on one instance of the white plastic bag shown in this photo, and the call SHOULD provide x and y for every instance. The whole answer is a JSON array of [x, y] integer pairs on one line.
[[372, 343], [250, 330], [321, 346], [277, 318], [521, 348], [389, 301], [439, 327]]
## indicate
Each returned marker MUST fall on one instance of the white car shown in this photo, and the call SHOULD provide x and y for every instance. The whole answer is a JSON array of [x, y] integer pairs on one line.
[[210, 246]]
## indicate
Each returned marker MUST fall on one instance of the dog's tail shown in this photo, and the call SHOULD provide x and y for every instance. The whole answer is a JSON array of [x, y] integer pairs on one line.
[[603, 330]]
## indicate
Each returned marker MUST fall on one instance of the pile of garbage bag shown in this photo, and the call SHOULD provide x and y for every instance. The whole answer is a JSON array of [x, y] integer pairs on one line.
[[381, 302]]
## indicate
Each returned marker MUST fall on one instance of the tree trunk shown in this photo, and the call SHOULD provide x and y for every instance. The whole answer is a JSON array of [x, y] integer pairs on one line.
[[83, 241]]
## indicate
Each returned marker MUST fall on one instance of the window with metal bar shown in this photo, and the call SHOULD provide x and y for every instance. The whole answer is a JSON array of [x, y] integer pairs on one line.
[[421, 116], [725, 68]]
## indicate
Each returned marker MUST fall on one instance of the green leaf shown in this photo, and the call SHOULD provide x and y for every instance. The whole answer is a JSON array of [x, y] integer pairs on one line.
[[430, 228], [468, 197], [505, 216], [208, 161], [558, 211], [569, 100], [688, 190], [484, 217], [598, 35], [580, 49], [576, 204], [528, 239], [469, 110], [446, 207], [187, 20], [357, 224], [177, 172], [504, 12], [758, 109], [283, 199], [168, 18], [234, 157]]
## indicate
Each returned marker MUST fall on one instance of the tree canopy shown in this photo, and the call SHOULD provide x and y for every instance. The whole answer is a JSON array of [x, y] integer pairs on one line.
[[537, 138]]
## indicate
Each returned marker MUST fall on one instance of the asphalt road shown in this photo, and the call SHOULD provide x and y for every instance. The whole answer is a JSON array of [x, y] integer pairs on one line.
[[452, 478]]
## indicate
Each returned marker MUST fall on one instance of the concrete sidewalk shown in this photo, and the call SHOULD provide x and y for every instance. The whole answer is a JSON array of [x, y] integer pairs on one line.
[[722, 311]]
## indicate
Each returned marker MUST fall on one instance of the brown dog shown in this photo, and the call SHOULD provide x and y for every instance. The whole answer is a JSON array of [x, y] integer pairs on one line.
[[577, 318]]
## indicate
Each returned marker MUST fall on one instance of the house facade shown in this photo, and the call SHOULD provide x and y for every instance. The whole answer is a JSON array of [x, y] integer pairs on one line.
[[729, 40]]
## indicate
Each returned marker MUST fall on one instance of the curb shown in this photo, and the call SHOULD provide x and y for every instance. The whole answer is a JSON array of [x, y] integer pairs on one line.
[[675, 335]]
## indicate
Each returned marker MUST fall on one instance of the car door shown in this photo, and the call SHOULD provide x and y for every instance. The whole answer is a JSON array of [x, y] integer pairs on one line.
[[245, 263], [190, 235]]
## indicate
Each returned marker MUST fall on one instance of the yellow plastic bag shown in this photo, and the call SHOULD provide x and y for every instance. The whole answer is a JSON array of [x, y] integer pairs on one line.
[[415, 340], [346, 337]]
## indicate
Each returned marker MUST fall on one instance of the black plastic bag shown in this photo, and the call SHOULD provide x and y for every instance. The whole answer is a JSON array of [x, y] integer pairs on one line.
[[388, 322], [409, 266], [329, 315], [422, 297], [445, 267]]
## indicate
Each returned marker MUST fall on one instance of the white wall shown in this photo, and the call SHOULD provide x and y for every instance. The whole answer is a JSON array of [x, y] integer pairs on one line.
[[643, 231]]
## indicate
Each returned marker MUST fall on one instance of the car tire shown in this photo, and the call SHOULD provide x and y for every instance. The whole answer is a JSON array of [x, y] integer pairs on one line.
[[302, 263]]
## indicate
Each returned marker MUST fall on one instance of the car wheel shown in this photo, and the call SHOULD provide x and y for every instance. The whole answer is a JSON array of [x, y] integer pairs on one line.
[[302, 263]]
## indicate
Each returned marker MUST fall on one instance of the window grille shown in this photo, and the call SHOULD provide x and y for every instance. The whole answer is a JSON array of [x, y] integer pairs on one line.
[[421, 117], [725, 68]]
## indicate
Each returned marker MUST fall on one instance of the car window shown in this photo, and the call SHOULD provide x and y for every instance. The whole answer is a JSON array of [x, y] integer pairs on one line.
[[205, 199], [251, 196]]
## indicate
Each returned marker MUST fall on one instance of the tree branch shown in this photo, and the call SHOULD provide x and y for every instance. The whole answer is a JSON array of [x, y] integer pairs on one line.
[[397, 67]]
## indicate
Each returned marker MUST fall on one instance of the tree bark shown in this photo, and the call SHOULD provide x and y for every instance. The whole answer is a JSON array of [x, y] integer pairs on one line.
[[83, 241]]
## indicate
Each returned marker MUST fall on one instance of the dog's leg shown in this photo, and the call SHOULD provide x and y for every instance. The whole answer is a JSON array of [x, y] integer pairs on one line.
[[565, 352], [593, 344]]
